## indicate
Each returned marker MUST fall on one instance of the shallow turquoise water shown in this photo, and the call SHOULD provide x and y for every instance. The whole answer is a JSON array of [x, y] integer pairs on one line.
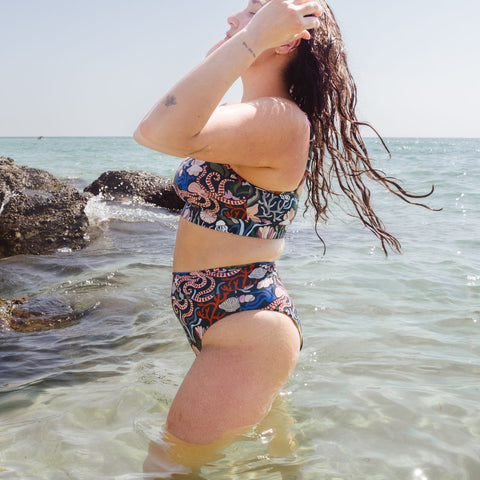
[[387, 383]]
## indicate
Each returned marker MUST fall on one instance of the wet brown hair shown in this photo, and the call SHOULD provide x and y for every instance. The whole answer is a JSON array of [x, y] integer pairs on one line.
[[321, 84]]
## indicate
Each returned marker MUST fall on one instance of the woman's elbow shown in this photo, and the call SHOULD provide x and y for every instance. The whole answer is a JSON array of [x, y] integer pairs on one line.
[[142, 136], [154, 140], [137, 137]]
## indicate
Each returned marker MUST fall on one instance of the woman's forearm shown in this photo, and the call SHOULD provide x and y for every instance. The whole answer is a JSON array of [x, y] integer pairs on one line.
[[173, 123]]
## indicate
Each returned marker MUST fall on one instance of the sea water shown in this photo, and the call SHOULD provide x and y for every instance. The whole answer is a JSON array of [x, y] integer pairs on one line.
[[388, 382]]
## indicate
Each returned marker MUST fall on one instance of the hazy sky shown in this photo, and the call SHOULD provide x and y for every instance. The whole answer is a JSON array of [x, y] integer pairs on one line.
[[84, 67]]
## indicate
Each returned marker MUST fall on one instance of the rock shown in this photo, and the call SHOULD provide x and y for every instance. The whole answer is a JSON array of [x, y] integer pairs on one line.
[[38, 213], [147, 187], [38, 313]]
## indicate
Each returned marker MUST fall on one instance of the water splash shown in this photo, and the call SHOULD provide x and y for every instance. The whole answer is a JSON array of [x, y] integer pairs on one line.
[[100, 210], [4, 203]]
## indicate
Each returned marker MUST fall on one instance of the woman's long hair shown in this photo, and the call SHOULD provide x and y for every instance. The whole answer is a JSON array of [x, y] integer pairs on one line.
[[321, 84]]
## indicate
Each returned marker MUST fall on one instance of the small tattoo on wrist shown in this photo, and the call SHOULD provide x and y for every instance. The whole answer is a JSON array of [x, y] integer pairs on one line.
[[171, 100], [249, 49]]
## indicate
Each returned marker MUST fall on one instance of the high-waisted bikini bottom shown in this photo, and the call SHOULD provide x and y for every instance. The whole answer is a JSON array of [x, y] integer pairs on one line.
[[200, 299]]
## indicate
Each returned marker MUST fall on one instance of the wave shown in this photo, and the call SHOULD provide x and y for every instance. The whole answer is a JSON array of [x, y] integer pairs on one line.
[[100, 210]]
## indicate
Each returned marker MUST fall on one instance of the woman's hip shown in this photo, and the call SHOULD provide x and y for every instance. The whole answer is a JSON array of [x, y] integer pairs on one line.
[[202, 298]]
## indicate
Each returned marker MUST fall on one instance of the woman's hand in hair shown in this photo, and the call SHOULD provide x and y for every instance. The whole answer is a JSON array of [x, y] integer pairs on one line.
[[283, 21]]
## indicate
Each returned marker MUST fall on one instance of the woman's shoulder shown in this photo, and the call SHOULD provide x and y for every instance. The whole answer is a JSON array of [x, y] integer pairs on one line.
[[277, 119], [281, 108], [263, 132]]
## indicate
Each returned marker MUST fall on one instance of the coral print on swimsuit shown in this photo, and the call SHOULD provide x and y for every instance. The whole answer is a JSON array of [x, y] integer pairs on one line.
[[200, 299], [218, 198]]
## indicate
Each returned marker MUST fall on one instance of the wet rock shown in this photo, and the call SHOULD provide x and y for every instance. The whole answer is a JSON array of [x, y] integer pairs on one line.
[[149, 188], [38, 313], [38, 213]]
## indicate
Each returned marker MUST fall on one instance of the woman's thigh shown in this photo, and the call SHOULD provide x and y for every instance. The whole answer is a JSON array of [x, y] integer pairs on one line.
[[245, 360]]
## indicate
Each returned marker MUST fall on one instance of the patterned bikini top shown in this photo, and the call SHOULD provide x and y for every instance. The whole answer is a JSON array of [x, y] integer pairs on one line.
[[218, 198]]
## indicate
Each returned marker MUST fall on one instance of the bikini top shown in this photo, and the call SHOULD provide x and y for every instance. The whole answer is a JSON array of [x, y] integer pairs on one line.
[[218, 198]]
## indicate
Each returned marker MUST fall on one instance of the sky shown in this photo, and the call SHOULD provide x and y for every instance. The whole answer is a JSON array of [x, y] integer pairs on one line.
[[95, 67]]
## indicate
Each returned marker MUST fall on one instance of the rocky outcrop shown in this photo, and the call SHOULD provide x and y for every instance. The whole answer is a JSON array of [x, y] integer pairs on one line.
[[38, 313], [147, 187], [38, 213]]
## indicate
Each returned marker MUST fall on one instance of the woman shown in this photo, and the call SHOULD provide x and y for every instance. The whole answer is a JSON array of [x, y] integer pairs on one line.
[[250, 160]]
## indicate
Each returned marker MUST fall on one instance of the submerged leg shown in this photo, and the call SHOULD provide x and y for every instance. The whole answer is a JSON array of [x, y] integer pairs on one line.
[[245, 360], [171, 458]]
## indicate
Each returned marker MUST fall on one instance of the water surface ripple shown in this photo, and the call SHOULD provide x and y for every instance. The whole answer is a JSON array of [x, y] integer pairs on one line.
[[387, 383]]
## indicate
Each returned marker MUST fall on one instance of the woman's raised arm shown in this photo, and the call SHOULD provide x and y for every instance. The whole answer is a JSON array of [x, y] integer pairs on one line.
[[175, 124]]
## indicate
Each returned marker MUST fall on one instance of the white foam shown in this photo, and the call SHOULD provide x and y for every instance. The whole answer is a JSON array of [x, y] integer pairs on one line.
[[99, 210], [4, 203]]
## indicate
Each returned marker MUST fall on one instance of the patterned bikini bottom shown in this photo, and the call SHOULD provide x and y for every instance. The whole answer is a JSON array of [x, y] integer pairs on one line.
[[200, 299]]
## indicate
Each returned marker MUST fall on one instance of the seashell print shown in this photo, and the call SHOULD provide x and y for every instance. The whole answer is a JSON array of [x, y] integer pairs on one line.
[[265, 283], [221, 226], [200, 331], [280, 292], [230, 304], [195, 188], [266, 232], [259, 272], [208, 217]]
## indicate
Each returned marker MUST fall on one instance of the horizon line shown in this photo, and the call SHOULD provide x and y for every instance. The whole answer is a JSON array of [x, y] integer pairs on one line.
[[41, 137]]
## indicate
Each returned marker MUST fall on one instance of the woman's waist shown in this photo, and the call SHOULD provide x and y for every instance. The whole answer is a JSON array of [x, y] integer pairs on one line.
[[199, 248]]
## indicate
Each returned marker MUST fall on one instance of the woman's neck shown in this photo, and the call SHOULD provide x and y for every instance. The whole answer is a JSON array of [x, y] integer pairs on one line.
[[265, 79]]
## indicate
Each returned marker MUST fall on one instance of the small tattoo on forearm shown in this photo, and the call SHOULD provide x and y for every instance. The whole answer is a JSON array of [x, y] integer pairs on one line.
[[171, 100], [249, 49]]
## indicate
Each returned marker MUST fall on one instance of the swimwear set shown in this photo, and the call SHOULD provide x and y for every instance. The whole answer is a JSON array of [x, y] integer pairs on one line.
[[218, 198]]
